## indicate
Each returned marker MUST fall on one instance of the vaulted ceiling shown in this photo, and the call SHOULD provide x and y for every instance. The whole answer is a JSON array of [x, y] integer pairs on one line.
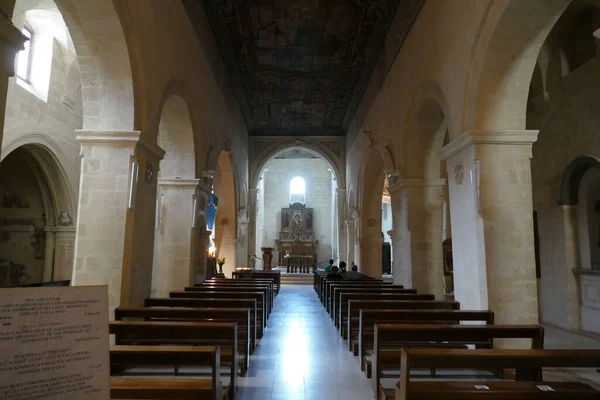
[[299, 67]]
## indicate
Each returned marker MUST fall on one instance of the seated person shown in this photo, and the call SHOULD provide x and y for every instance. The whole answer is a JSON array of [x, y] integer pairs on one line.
[[334, 273], [342, 267], [328, 266], [354, 274]]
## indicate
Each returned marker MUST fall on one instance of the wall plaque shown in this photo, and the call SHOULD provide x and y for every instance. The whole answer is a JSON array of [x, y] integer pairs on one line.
[[54, 343]]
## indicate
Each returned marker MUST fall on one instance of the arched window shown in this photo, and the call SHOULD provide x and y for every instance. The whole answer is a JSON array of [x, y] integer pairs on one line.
[[297, 190]]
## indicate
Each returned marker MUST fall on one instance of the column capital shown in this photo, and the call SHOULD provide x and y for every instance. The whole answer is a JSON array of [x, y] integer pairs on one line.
[[183, 183], [11, 42], [513, 138]]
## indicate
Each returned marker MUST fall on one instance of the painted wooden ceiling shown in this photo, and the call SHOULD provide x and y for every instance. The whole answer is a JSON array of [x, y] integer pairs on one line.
[[298, 67]]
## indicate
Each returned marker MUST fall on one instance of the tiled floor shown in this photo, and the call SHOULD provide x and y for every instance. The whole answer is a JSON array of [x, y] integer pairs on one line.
[[302, 356]]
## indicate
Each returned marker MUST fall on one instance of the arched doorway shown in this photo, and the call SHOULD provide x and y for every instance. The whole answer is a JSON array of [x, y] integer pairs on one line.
[[36, 223], [176, 187]]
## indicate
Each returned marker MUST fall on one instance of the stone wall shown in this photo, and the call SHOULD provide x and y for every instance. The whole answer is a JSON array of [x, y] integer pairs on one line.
[[317, 177], [569, 130]]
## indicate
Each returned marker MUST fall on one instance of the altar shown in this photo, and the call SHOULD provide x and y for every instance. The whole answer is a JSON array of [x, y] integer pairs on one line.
[[297, 247]]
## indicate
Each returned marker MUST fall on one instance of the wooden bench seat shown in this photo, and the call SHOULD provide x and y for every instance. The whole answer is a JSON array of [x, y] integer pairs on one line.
[[164, 388], [500, 391], [269, 298], [212, 294], [210, 303], [257, 274], [263, 301], [354, 307], [342, 308], [270, 283], [368, 318], [327, 283], [336, 291], [407, 335], [246, 332], [222, 334], [131, 388]]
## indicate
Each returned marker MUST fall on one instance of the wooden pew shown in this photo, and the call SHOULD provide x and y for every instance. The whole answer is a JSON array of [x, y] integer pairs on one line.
[[422, 335], [333, 290], [527, 364], [223, 334], [342, 309], [336, 292], [268, 295], [354, 307], [246, 335], [167, 388], [368, 319], [242, 282], [327, 283], [253, 274], [211, 303], [212, 294]]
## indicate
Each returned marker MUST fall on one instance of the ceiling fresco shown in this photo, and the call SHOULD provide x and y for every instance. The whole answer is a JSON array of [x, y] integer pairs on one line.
[[298, 67]]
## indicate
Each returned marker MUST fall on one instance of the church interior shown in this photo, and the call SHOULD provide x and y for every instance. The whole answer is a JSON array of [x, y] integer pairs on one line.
[[327, 199]]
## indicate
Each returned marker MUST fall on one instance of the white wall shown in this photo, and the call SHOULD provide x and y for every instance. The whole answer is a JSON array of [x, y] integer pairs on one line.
[[276, 194]]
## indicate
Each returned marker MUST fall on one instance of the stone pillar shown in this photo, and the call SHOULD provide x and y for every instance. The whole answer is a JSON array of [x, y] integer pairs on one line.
[[174, 235], [106, 180], [242, 239], [141, 223], [11, 42], [371, 253], [417, 204], [200, 235], [115, 223], [228, 249], [48, 255], [492, 223], [64, 244], [251, 214], [341, 226], [350, 241]]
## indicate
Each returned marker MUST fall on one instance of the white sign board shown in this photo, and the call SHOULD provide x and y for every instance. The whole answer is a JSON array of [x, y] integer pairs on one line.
[[54, 343]]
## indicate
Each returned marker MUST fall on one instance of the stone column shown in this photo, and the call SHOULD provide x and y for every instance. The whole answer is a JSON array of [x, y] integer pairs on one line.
[[251, 214], [48, 255], [174, 235], [371, 253], [350, 241], [11, 42], [242, 239], [64, 244], [228, 249], [106, 180], [115, 223], [200, 235], [341, 226], [419, 203], [492, 223]]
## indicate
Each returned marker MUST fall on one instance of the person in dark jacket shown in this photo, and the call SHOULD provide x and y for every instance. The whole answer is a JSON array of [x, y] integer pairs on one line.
[[334, 274]]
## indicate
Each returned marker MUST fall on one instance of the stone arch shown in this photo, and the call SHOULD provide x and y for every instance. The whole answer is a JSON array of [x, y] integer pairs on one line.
[[503, 61], [421, 194], [48, 155], [176, 188], [316, 148], [55, 230], [572, 177], [102, 54]]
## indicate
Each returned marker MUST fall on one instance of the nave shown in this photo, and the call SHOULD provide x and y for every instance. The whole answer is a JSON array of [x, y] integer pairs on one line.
[[301, 355]]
